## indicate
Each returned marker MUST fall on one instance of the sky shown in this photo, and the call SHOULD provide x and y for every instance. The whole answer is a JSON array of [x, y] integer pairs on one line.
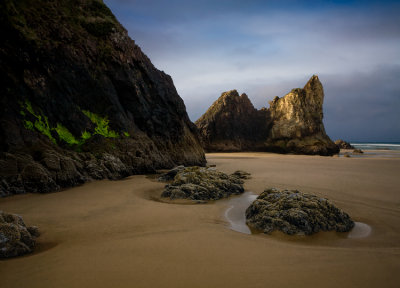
[[266, 48]]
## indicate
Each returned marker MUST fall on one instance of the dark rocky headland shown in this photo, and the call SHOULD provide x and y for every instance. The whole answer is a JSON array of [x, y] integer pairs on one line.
[[79, 100], [292, 124], [293, 212]]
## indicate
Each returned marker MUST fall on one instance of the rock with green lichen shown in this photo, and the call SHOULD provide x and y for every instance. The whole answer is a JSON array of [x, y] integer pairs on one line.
[[201, 183], [16, 238], [293, 212]]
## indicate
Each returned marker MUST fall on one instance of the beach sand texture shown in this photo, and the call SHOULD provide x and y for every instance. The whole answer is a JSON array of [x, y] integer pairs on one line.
[[115, 233]]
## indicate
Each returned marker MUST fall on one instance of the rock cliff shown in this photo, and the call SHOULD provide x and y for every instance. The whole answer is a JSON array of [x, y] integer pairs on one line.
[[233, 124], [292, 124], [79, 100]]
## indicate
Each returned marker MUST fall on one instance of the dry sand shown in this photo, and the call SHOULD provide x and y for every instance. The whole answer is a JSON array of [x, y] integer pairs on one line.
[[112, 234]]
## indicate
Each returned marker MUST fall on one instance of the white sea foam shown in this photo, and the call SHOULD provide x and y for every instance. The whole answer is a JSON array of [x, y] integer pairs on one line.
[[377, 146]]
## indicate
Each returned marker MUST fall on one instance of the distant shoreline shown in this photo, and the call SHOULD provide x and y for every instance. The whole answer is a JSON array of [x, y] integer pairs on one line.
[[371, 153], [377, 146]]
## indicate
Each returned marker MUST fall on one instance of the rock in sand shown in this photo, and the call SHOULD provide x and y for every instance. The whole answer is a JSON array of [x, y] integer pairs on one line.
[[16, 238], [293, 212], [202, 183]]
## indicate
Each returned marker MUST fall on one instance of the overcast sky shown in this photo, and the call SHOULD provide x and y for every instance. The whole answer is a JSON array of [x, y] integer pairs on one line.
[[266, 48]]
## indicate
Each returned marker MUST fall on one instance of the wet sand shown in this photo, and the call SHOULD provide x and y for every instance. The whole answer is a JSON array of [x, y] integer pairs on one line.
[[113, 233]]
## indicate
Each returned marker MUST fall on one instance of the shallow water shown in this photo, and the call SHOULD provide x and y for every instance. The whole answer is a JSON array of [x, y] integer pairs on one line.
[[360, 230], [378, 153], [235, 214]]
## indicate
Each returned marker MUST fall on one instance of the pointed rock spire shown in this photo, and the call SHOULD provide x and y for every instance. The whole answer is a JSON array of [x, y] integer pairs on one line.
[[293, 123]]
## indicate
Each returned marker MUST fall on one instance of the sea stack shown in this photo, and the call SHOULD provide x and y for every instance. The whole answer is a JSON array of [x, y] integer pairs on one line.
[[80, 100], [233, 124], [292, 124]]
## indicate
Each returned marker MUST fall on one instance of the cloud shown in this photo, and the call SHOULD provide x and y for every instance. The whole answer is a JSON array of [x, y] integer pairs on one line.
[[364, 106], [265, 48]]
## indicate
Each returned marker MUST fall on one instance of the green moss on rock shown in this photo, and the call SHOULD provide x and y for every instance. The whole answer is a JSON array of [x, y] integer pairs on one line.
[[41, 124], [101, 123], [41, 121], [65, 135]]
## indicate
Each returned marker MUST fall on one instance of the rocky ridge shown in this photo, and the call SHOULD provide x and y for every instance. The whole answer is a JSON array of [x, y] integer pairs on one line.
[[80, 100], [292, 124], [293, 212]]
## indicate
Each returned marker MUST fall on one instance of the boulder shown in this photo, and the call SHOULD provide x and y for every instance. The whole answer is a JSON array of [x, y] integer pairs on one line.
[[16, 238], [171, 173], [293, 212], [343, 144], [201, 183]]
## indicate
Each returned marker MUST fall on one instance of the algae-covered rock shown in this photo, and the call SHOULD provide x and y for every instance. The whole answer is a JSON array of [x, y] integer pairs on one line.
[[16, 238], [201, 183], [293, 212]]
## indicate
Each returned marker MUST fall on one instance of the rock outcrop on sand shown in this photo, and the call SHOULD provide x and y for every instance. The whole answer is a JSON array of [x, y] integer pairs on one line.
[[79, 100], [292, 124], [16, 238], [202, 183], [293, 212], [233, 124], [343, 144]]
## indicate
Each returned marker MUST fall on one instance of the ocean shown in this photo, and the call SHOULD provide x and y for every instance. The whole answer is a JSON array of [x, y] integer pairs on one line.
[[377, 146], [376, 150]]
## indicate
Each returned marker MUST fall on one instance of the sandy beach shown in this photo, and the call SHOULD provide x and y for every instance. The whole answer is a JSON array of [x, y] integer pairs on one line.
[[116, 233]]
